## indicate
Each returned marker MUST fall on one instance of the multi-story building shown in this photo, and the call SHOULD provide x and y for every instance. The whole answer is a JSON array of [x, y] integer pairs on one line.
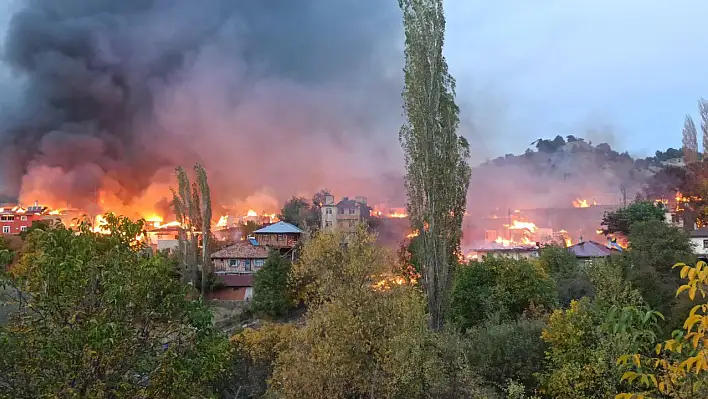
[[16, 219], [344, 215]]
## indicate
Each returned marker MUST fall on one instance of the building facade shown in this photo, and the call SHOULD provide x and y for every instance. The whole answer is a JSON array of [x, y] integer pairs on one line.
[[14, 220], [345, 215]]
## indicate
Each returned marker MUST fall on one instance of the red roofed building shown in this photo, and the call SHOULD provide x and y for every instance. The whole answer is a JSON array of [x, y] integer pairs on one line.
[[14, 220], [234, 268]]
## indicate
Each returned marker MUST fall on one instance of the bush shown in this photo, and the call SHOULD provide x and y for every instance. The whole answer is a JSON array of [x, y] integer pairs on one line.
[[271, 295], [498, 286]]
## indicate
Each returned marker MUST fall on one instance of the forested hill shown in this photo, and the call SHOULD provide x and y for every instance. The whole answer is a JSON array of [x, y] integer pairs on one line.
[[555, 172]]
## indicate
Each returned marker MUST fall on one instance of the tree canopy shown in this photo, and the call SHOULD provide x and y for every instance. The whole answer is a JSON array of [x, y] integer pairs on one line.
[[621, 220], [100, 318]]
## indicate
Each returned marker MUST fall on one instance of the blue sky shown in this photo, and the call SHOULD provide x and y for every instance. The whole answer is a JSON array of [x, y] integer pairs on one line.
[[629, 71]]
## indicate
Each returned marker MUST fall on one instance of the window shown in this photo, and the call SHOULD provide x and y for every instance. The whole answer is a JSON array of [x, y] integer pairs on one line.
[[258, 263], [233, 262], [23, 218], [6, 229], [705, 244], [281, 237], [341, 211], [7, 218], [329, 211], [247, 265], [352, 211], [352, 223], [23, 228]]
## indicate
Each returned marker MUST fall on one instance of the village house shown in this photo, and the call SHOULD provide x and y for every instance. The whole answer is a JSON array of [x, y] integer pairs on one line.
[[699, 241], [344, 215], [16, 219], [516, 252], [235, 265], [588, 251]]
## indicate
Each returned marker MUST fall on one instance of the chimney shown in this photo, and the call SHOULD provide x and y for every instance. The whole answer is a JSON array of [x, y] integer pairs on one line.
[[345, 198]]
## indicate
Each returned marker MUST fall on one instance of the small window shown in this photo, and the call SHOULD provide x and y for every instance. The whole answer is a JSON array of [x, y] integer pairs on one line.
[[247, 265], [6, 229], [233, 262], [341, 211], [23, 228], [23, 218], [281, 237], [705, 244], [329, 211], [258, 263], [352, 211]]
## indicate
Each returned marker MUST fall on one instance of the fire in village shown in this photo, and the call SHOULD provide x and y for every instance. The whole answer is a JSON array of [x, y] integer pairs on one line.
[[243, 199]]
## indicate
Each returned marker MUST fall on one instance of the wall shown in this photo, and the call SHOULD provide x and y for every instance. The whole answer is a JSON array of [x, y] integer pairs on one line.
[[278, 240], [17, 224], [698, 245], [329, 217], [224, 265]]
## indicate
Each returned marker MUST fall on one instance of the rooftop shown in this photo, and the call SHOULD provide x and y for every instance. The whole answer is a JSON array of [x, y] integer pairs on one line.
[[279, 228], [700, 233], [591, 249], [236, 280], [241, 250]]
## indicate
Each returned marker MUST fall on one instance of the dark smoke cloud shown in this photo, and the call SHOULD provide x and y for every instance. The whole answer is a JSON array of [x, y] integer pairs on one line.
[[273, 96]]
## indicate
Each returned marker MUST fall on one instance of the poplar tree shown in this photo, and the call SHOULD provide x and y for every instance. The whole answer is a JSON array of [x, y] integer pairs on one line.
[[690, 141], [205, 194], [703, 111], [437, 172]]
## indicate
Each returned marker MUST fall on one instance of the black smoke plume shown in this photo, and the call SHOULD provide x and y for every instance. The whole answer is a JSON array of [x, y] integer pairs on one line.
[[273, 96]]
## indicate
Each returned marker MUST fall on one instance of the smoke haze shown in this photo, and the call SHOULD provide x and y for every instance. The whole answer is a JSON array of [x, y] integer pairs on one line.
[[275, 98]]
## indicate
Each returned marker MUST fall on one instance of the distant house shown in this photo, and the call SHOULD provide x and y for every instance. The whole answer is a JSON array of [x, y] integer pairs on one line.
[[699, 240], [234, 267], [345, 215], [588, 251], [516, 252], [281, 236]]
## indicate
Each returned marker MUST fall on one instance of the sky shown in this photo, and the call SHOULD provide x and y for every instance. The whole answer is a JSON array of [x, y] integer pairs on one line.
[[627, 72], [619, 72]]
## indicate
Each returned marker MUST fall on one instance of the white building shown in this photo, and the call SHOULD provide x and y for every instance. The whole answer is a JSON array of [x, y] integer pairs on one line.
[[699, 239]]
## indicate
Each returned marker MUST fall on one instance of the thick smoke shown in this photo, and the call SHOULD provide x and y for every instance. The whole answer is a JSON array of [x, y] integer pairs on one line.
[[274, 97]]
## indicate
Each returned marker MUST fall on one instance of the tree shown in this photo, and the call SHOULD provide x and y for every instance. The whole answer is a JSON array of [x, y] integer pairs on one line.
[[249, 227], [677, 368], [271, 291], [364, 338], [703, 111], [183, 206], [437, 172], [621, 220], [562, 265], [36, 225], [99, 318], [690, 141], [498, 287], [205, 194], [295, 211]]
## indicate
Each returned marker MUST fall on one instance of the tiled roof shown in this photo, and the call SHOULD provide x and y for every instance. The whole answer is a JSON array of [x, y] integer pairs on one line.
[[236, 280], [279, 228], [241, 250], [590, 249], [699, 233]]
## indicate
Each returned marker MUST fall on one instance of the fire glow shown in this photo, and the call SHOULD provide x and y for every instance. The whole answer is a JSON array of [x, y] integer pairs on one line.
[[583, 203]]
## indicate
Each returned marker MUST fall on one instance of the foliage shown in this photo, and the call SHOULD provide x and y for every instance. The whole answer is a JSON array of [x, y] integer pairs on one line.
[[256, 351], [518, 358], [204, 197], [678, 366], [585, 339], [437, 172], [498, 286], [36, 225], [557, 261], [249, 227], [299, 212], [654, 248], [690, 140], [621, 220], [99, 318], [271, 291], [362, 338]]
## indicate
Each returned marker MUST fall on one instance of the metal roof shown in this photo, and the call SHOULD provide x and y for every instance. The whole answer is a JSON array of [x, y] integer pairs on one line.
[[590, 249], [279, 228]]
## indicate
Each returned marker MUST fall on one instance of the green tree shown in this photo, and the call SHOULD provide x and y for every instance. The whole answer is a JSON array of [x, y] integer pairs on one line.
[[249, 227], [690, 140], [271, 290], [205, 220], [621, 220], [437, 172], [36, 225], [363, 338], [501, 287], [99, 318], [585, 339], [654, 247], [295, 211], [562, 266]]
